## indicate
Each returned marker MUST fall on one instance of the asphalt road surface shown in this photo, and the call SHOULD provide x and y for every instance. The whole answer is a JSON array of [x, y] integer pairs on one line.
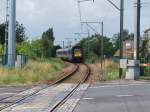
[[116, 98]]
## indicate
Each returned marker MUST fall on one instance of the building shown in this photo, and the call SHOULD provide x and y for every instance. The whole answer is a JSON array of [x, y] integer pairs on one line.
[[128, 49], [147, 35]]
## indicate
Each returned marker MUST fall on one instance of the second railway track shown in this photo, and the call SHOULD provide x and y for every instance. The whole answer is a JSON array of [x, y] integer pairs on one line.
[[14, 99]]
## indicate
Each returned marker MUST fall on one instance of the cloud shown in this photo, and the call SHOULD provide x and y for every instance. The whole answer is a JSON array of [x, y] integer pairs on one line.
[[62, 15]]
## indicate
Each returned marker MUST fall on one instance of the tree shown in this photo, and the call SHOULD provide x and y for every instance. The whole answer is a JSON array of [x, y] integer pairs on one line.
[[39, 48], [2, 33], [55, 48], [32, 49], [92, 46], [20, 33], [36, 49], [144, 49], [126, 36], [47, 43], [1, 49], [49, 35]]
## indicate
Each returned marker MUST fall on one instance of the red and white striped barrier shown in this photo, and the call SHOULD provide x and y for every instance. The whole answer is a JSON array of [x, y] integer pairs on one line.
[[145, 65]]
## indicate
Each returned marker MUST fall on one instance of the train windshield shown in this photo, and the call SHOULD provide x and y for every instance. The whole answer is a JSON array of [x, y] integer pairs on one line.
[[77, 52]]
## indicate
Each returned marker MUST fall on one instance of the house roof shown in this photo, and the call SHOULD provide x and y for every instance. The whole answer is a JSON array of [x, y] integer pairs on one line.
[[147, 30]]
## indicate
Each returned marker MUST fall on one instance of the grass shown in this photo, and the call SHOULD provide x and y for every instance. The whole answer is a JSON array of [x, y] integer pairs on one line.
[[109, 71], [146, 74], [34, 72], [144, 78]]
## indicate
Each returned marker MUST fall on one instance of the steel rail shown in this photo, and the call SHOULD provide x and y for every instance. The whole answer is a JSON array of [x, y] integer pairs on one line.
[[86, 76], [76, 67]]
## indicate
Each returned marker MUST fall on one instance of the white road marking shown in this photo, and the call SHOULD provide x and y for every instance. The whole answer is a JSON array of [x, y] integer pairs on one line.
[[7, 94], [124, 95], [88, 98], [127, 85], [108, 86]]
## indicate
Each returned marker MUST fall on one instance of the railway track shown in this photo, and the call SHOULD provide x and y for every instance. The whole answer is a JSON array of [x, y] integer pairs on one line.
[[86, 75], [12, 100]]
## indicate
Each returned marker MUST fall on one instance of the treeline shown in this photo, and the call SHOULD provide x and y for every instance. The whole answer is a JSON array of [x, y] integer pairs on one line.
[[37, 48], [92, 45], [43, 47]]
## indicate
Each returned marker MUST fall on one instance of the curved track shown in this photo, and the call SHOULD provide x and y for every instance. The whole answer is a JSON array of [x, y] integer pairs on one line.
[[30, 92], [83, 80]]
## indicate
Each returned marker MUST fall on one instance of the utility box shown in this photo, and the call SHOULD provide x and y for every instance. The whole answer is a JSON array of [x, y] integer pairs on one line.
[[133, 71], [123, 63]]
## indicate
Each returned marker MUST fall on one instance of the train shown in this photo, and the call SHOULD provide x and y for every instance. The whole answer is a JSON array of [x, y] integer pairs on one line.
[[72, 54]]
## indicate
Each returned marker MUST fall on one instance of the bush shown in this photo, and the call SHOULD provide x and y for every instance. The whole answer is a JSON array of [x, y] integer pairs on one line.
[[33, 72], [1, 49], [110, 70]]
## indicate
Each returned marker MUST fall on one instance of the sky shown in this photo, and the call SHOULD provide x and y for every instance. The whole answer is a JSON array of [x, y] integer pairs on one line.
[[63, 15]]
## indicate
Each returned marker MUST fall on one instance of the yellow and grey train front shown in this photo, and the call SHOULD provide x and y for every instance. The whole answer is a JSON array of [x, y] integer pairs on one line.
[[77, 54]]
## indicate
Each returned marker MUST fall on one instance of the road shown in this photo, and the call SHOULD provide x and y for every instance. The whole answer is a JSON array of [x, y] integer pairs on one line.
[[115, 98], [8, 91], [99, 97]]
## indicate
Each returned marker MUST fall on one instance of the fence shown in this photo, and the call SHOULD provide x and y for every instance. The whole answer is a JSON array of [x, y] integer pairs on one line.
[[20, 60], [2, 60]]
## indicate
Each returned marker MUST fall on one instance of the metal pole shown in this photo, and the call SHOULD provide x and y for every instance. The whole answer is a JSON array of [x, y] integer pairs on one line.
[[88, 43], [63, 44], [137, 29], [121, 33], [6, 32], [102, 44], [80, 14], [12, 34]]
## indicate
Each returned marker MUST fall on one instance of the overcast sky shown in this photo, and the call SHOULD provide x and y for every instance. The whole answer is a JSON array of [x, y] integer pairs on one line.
[[63, 16]]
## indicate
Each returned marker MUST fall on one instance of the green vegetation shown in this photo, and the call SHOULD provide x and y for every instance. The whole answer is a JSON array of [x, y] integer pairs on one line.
[[1, 49], [34, 72], [92, 47], [145, 73], [109, 71], [126, 36], [20, 33], [39, 48], [145, 49], [144, 78], [42, 65]]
